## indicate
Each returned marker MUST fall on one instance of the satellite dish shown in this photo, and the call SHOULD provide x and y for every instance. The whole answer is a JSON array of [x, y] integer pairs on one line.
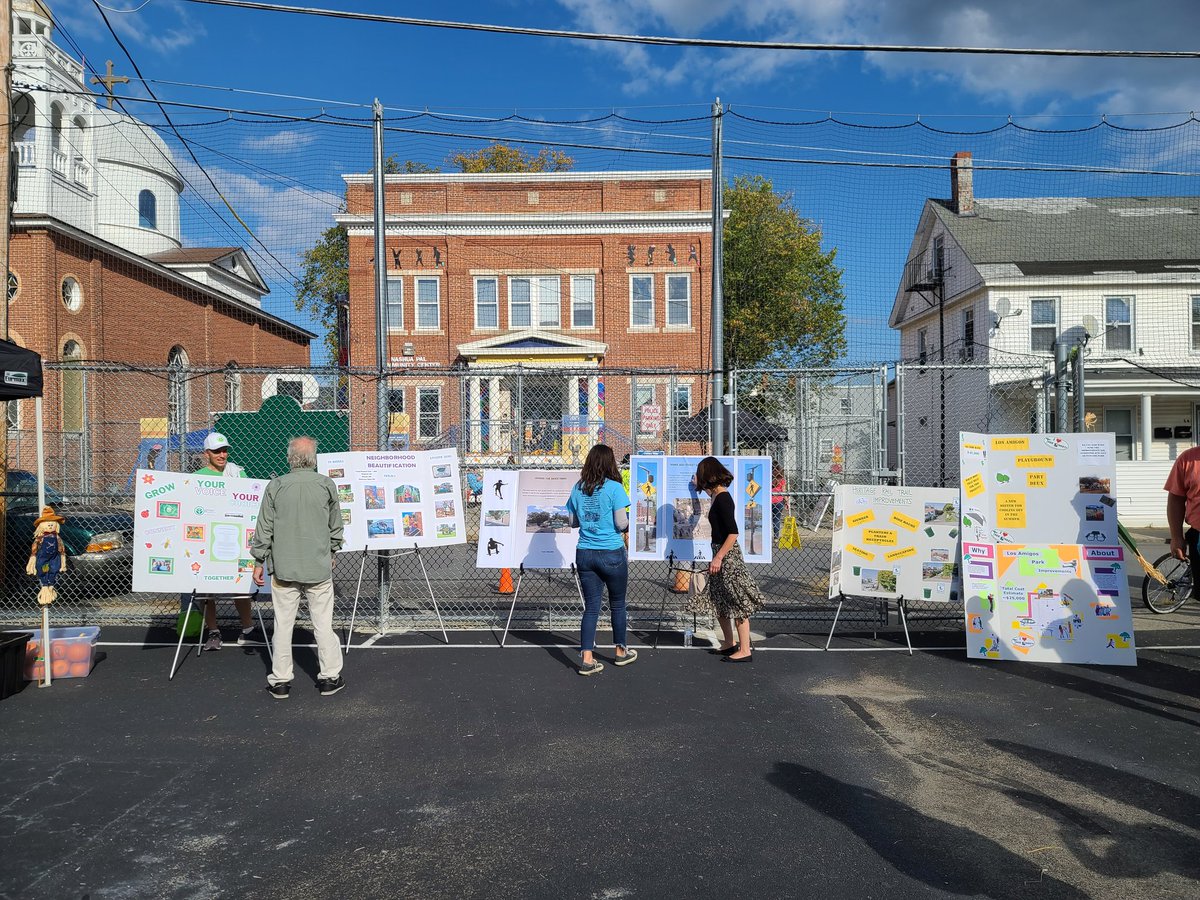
[[1091, 326], [1003, 307]]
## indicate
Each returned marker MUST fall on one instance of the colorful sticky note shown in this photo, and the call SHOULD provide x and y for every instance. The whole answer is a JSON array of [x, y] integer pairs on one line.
[[862, 518], [904, 521], [1010, 443], [883, 536], [973, 485], [1035, 479], [858, 551], [1035, 461], [900, 554], [1010, 510]]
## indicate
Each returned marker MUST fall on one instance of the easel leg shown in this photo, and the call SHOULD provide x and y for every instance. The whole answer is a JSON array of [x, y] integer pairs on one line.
[[262, 626], [187, 615], [513, 606], [662, 607], [829, 640], [357, 591], [433, 599], [904, 622]]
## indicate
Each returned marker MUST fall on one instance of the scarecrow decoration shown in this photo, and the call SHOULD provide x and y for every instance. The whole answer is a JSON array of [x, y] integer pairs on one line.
[[48, 555]]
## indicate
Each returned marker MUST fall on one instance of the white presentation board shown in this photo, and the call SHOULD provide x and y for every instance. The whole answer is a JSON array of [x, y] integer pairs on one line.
[[893, 542], [192, 532], [670, 517], [396, 499], [1063, 603], [1044, 572], [523, 519]]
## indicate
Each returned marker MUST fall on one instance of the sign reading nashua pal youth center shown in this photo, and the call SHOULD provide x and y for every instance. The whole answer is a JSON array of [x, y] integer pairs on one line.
[[1044, 572], [193, 532]]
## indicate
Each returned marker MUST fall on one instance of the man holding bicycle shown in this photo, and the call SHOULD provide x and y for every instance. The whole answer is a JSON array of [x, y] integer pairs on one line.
[[1183, 506]]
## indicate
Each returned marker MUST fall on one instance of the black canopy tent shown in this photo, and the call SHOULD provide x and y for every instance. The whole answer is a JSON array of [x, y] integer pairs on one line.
[[752, 429], [21, 370]]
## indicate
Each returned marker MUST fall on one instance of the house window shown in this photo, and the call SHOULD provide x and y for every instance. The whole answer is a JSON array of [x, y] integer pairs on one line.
[[1195, 322], [395, 304], [12, 415], [583, 301], [643, 396], [1043, 324], [233, 388], [14, 286], [395, 399], [428, 307], [938, 260], [72, 294], [177, 391], [641, 301], [534, 302], [1120, 423], [847, 406], [487, 308], [56, 126], [683, 400], [968, 322], [147, 210], [679, 299], [1118, 323], [923, 346], [429, 412]]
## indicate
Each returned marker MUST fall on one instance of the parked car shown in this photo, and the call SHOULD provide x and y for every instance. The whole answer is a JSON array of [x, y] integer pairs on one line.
[[98, 538]]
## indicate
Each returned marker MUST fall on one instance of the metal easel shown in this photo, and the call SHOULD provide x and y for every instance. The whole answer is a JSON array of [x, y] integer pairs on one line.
[[193, 603], [693, 568], [390, 554], [517, 593], [900, 604]]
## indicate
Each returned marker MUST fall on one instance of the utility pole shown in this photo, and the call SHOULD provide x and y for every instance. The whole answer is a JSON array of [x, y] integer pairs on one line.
[[1061, 413], [381, 339], [6, 184], [717, 421]]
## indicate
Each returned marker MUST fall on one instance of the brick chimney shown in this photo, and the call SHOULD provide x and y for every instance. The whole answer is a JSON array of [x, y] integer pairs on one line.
[[962, 183]]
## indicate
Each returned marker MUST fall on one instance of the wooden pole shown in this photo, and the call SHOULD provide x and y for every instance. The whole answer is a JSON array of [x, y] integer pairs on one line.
[[6, 206]]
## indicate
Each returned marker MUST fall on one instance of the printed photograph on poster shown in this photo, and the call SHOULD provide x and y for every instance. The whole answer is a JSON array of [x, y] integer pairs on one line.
[[443, 509], [374, 497], [345, 493], [524, 519], [381, 527], [335, 474], [443, 487], [446, 530], [497, 518], [547, 520], [407, 493], [690, 519], [645, 479], [750, 475]]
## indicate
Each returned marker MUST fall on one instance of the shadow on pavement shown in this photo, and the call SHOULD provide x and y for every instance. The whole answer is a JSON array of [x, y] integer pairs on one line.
[[943, 856]]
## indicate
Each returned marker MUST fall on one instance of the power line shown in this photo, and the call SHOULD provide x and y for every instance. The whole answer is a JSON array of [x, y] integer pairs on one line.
[[666, 41]]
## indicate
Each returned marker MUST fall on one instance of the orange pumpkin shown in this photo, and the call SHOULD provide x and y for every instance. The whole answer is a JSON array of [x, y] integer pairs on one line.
[[31, 649], [78, 652], [36, 672], [59, 668], [80, 669], [58, 650]]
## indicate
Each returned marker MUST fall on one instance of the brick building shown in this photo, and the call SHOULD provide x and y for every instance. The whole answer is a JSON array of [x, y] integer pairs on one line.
[[98, 271], [570, 276]]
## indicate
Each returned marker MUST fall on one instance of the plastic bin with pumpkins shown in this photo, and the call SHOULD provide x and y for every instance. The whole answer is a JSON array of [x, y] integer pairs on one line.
[[72, 652]]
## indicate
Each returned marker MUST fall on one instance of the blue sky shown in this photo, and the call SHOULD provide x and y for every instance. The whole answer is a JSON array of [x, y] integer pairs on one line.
[[867, 214]]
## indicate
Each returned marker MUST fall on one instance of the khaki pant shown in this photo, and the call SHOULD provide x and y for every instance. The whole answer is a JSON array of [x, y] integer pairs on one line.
[[285, 598]]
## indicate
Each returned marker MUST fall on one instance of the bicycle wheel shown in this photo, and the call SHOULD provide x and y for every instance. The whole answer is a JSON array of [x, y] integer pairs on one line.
[[1166, 598]]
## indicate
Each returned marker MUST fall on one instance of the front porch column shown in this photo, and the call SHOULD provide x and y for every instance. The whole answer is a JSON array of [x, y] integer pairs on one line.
[[593, 410], [474, 415], [1147, 426], [500, 416]]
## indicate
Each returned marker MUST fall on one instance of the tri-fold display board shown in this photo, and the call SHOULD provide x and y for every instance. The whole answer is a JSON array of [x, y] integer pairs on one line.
[[523, 519]]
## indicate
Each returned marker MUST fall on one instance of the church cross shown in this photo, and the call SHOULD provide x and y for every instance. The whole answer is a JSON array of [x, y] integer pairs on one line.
[[109, 80]]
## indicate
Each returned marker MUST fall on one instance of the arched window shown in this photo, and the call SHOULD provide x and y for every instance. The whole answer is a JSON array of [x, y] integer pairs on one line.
[[147, 210], [177, 391], [56, 126], [72, 386], [233, 387], [23, 119]]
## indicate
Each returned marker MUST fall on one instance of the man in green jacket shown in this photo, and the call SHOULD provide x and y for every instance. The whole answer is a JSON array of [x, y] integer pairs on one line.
[[299, 529]]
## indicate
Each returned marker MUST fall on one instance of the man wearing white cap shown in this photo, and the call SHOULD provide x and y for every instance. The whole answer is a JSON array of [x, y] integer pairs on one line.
[[216, 454]]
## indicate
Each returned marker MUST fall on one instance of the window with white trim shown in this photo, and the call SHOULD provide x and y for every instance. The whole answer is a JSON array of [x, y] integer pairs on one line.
[[178, 392], [1118, 323], [583, 301], [395, 396], [1196, 323], [428, 303], [683, 400], [535, 302], [147, 210], [233, 388], [394, 310], [1043, 324], [1119, 420], [968, 324], [487, 306], [429, 412], [72, 294], [643, 396], [12, 415], [923, 346], [679, 299], [641, 301]]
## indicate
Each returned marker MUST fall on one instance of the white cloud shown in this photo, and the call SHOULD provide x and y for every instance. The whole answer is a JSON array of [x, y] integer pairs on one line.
[[1108, 85], [164, 26]]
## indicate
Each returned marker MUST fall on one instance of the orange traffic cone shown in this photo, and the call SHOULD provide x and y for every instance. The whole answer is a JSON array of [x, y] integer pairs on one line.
[[683, 581], [506, 582]]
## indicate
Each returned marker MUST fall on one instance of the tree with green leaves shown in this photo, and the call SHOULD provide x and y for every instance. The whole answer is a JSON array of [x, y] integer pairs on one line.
[[782, 292], [326, 267]]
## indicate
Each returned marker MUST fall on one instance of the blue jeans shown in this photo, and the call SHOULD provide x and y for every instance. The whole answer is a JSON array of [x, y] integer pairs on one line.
[[598, 568]]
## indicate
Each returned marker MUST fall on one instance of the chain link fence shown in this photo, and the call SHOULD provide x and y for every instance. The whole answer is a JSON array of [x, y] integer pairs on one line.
[[822, 427]]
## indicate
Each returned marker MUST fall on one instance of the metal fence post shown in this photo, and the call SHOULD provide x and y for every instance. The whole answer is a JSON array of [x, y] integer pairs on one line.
[[900, 425]]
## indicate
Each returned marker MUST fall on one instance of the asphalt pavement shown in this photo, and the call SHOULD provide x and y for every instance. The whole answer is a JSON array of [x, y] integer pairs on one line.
[[476, 771]]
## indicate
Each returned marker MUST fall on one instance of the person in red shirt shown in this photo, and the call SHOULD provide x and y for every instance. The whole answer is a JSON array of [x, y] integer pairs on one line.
[[779, 500], [1183, 508]]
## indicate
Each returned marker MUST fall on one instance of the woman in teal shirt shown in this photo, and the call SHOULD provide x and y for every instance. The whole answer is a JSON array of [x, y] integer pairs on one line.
[[599, 507]]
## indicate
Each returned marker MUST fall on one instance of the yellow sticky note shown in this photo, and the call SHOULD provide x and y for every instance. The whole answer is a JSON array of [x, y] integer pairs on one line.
[[900, 554], [1010, 510], [899, 518], [1035, 479], [883, 536], [967, 445], [858, 551], [1035, 461], [1010, 443], [973, 485], [862, 518]]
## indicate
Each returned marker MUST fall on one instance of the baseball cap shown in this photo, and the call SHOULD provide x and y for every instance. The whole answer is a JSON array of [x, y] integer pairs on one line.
[[216, 441]]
